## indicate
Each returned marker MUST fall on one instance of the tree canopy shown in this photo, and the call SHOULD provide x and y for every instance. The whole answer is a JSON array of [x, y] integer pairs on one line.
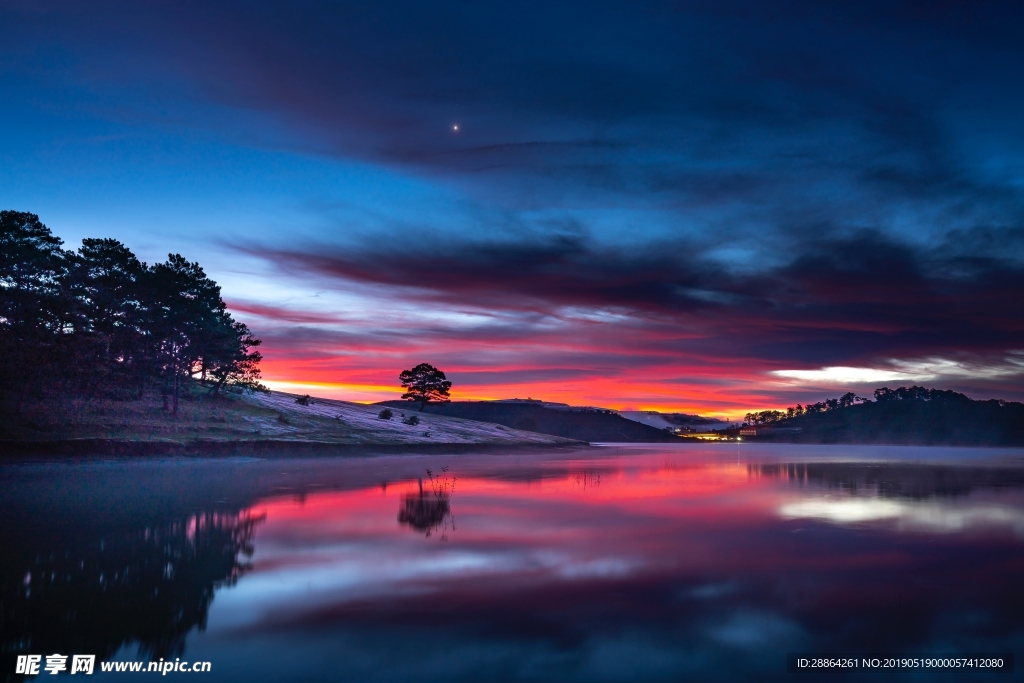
[[425, 384], [769, 416], [100, 321], [908, 415]]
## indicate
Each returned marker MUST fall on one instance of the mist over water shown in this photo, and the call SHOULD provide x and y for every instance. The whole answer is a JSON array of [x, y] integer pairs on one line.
[[655, 562]]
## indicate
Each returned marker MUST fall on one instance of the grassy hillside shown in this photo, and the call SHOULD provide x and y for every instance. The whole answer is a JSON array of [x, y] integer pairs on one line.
[[583, 426], [227, 417], [257, 417]]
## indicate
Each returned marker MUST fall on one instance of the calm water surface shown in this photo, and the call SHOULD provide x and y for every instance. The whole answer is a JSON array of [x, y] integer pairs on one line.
[[659, 562]]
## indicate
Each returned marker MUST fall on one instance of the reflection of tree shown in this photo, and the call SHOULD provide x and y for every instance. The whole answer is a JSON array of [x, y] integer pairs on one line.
[[585, 479], [903, 480], [81, 593], [429, 511]]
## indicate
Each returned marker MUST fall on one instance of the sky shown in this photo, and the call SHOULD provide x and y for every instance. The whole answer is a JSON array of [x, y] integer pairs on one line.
[[705, 207]]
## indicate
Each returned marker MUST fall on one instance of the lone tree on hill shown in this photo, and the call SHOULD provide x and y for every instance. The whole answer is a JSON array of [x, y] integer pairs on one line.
[[425, 384]]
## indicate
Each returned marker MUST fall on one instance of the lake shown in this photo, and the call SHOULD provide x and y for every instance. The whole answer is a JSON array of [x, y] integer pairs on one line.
[[616, 563]]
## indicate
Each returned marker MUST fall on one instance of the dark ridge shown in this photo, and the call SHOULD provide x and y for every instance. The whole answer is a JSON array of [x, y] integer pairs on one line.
[[908, 416], [581, 425]]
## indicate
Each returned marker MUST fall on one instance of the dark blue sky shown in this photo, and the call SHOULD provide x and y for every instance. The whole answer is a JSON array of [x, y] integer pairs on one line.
[[707, 206]]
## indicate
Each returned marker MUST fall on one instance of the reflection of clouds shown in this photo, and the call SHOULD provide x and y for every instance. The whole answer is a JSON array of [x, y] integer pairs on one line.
[[936, 518], [712, 591], [610, 567], [367, 571], [931, 515], [576, 566], [747, 629], [848, 511], [337, 575], [358, 572]]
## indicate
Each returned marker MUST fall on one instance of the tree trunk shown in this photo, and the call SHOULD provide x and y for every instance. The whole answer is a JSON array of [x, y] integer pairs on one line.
[[214, 389], [177, 381]]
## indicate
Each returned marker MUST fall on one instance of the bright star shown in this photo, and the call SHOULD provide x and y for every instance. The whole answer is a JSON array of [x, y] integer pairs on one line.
[[455, 127]]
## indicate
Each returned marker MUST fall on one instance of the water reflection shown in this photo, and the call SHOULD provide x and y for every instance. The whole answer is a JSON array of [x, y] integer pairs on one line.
[[430, 510], [927, 498], [643, 566], [94, 593], [894, 480], [585, 479]]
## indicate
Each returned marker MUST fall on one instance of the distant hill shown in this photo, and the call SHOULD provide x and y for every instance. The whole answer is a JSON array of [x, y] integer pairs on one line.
[[911, 415], [673, 420], [582, 425]]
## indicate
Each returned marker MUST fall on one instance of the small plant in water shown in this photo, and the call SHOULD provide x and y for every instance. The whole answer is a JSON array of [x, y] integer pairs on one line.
[[386, 414], [430, 510], [586, 479], [442, 484]]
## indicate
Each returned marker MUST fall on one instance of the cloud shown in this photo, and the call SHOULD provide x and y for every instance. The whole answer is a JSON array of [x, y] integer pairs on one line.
[[672, 197], [841, 375], [906, 371], [682, 106], [838, 298], [282, 314], [637, 327]]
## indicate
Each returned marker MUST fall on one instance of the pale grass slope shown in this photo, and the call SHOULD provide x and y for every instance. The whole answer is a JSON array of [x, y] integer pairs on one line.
[[343, 422]]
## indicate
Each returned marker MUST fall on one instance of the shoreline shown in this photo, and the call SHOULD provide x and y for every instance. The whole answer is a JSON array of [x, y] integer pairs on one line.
[[105, 447], [116, 447]]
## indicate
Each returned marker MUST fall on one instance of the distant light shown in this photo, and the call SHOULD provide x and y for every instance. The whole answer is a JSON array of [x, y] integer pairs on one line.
[[455, 127]]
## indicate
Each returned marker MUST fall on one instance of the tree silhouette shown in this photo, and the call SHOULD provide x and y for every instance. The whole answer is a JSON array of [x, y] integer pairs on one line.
[[186, 312], [425, 384], [105, 280], [78, 589], [36, 313], [100, 322]]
